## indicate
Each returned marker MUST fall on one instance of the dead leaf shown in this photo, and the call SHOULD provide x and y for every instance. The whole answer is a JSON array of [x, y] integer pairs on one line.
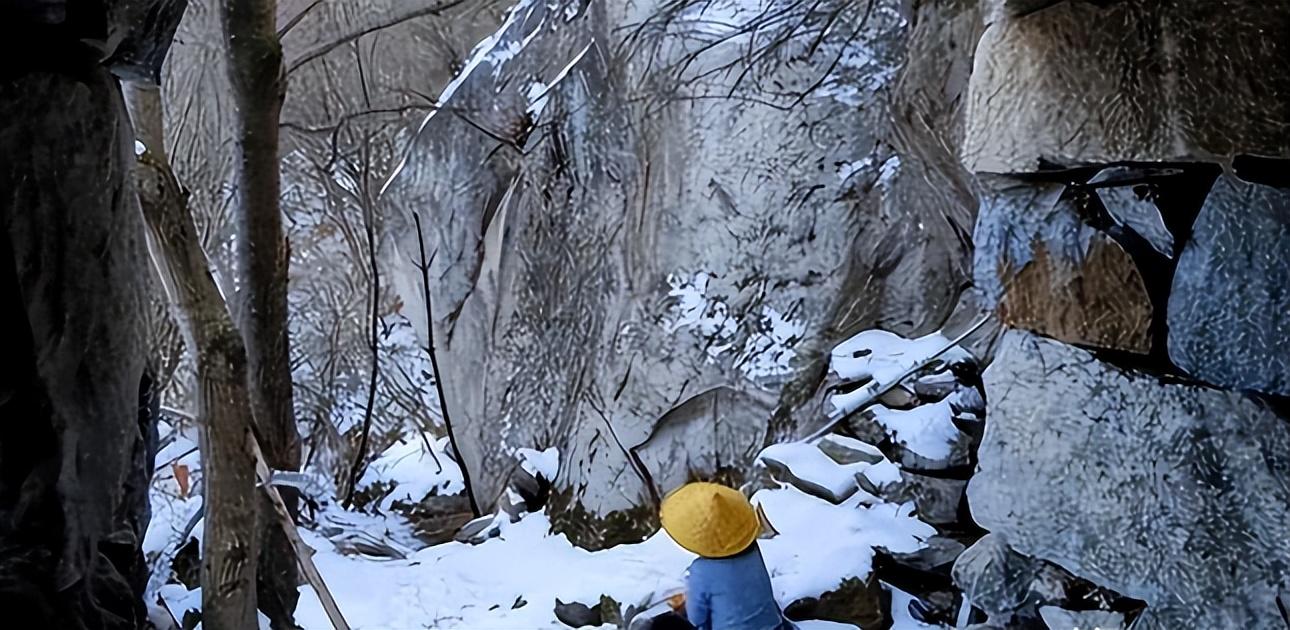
[[181, 478]]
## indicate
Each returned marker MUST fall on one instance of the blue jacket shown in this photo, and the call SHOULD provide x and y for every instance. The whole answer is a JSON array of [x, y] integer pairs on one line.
[[732, 593]]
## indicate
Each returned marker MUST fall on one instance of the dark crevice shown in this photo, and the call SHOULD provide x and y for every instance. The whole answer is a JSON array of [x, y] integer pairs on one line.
[[1178, 191], [1273, 172]]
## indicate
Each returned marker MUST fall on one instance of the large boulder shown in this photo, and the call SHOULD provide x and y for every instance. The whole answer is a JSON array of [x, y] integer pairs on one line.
[[641, 236], [1045, 269], [1081, 83], [1174, 494], [1229, 311]]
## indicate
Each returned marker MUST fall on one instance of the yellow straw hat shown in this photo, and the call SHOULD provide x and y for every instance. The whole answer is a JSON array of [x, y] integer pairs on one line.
[[710, 519]]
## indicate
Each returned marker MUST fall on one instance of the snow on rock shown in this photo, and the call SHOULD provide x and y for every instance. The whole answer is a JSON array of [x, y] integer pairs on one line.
[[881, 358], [545, 463], [885, 356], [486, 52], [812, 470], [882, 473], [770, 335], [538, 92], [927, 430], [414, 472]]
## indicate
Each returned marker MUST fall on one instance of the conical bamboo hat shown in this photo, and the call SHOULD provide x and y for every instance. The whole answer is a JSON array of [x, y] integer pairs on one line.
[[710, 519]]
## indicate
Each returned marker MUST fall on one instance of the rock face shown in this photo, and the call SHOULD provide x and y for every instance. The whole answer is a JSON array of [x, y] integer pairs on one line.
[[1142, 81], [1173, 494], [1229, 311], [1044, 268], [636, 229]]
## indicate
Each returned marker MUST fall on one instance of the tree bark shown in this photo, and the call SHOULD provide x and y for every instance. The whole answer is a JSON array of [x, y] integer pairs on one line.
[[259, 84], [223, 403]]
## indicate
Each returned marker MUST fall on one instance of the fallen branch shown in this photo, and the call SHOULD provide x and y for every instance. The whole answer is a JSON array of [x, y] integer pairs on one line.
[[304, 553], [875, 389]]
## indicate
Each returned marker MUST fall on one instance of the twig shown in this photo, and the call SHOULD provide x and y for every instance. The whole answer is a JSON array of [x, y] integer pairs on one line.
[[878, 389], [424, 266], [286, 28], [175, 459], [373, 341], [346, 38]]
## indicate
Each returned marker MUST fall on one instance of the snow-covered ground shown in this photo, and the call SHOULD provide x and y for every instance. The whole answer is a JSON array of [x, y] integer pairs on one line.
[[513, 580]]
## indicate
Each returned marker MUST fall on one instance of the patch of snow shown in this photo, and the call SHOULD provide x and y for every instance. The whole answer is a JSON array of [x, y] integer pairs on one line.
[[768, 347], [809, 463], [413, 471], [500, 55], [926, 430], [866, 65], [887, 172], [544, 463], [846, 170], [821, 544], [139, 148], [512, 581], [768, 351], [882, 473], [538, 91], [885, 357]]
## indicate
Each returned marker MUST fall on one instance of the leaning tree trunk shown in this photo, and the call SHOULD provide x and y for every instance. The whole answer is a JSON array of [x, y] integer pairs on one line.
[[258, 82], [223, 404]]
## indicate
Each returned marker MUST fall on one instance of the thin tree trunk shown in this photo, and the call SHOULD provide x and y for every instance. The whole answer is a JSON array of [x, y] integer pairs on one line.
[[259, 85], [230, 538]]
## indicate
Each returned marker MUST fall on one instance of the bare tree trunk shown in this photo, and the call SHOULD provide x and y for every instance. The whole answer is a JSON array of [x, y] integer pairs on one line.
[[223, 407], [259, 85]]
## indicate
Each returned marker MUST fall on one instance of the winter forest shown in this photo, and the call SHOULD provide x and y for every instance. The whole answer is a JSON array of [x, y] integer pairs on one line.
[[404, 314]]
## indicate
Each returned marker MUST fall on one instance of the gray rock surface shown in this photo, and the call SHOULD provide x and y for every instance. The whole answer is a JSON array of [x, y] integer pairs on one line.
[[1048, 271], [1128, 196], [1007, 585], [1229, 311], [1062, 619], [628, 241], [936, 500], [1146, 81], [1174, 494]]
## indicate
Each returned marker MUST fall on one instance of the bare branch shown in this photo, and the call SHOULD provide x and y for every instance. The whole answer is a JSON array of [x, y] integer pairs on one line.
[[404, 11]]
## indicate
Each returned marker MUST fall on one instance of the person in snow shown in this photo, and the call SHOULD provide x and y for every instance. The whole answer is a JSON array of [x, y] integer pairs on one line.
[[727, 586]]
